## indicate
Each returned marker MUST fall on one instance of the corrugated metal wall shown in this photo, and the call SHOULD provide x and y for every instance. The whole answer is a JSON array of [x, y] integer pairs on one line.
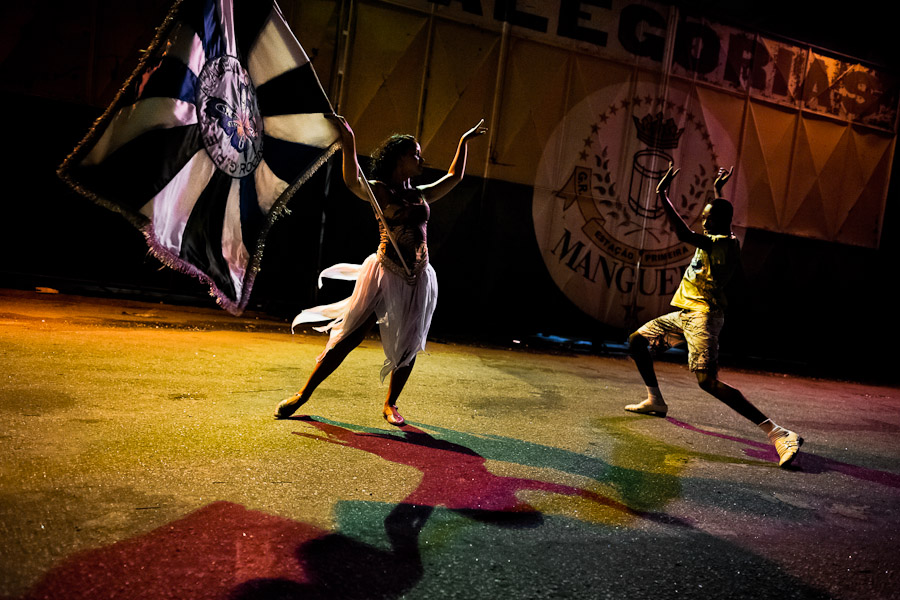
[[811, 146]]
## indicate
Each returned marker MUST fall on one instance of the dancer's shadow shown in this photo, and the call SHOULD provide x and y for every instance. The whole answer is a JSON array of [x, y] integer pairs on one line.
[[453, 476], [224, 550], [339, 566]]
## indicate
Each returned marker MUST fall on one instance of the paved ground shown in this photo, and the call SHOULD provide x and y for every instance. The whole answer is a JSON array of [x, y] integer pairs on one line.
[[140, 460]]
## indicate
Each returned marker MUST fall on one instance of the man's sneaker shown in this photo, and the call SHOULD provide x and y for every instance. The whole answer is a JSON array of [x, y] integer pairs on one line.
[[647, 407], [787, 443]]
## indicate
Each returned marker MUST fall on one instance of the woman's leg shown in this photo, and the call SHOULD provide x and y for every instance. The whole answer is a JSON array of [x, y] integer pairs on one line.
[[404, 333], [331, 360], [399, 377]]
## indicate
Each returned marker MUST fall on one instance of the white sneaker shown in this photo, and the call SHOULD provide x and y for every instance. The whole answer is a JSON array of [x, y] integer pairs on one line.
[[787, 443], [648, 407]]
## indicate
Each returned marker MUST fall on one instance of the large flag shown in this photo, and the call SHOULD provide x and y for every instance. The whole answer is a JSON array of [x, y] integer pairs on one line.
[[208, 139]]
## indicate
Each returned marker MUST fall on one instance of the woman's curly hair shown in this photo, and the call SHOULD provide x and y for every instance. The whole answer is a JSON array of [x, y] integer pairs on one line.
[[385, 157]]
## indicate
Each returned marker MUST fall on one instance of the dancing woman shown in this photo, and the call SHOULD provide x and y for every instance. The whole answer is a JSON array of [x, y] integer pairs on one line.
[[396, 290]]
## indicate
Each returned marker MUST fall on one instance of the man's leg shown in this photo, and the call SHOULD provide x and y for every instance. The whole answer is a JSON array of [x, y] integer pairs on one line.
[[787, 443], [639, 349], [734, 399]]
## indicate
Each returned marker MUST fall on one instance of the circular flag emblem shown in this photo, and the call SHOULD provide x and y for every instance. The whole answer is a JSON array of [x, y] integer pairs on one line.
[[229, 117]]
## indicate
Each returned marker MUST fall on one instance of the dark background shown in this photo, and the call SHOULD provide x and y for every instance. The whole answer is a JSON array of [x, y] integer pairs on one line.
[[804, 306]]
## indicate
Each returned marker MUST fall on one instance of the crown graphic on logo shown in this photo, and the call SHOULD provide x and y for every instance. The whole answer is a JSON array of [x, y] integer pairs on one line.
[[656, 132]]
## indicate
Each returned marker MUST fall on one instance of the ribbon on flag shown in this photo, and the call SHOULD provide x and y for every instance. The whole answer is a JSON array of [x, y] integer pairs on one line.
[[218, 126]]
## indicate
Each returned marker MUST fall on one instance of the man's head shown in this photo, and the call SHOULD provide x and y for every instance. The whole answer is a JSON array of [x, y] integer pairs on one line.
[[716, 217]]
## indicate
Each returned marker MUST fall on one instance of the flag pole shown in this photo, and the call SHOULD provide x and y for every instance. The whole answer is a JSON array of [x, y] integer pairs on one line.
[[380, 216]]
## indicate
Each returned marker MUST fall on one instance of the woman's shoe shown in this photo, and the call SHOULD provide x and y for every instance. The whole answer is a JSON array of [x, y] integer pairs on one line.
[[393, 417], [289, 406]]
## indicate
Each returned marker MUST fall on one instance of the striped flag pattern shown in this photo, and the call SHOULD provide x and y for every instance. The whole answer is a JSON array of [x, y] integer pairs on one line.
[[210, 136]]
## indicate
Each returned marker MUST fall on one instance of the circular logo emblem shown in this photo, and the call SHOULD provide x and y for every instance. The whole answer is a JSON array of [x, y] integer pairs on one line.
[[602, 231], [229, 117]]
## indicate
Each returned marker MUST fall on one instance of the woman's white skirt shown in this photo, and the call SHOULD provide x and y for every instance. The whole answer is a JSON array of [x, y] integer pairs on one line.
[[403, 311]]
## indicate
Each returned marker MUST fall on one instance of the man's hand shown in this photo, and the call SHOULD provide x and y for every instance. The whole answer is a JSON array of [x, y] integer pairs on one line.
[[722, 178], [666, 181]]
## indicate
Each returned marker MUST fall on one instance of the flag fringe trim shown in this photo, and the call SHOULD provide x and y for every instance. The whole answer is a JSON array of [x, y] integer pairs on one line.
[[135, 218]]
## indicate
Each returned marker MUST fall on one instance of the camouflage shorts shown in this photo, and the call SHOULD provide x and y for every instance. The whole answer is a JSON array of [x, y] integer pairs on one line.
[[699, 329]]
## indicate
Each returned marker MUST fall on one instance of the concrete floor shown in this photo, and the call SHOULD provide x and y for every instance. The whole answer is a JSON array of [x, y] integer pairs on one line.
[[140, 459]]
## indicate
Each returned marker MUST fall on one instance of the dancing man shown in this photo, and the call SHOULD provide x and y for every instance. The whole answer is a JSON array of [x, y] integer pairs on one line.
[[701, 301], [396, 287]]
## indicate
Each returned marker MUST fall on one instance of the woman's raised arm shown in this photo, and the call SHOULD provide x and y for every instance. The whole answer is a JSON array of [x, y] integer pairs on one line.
[[352, 172], [442, 186]]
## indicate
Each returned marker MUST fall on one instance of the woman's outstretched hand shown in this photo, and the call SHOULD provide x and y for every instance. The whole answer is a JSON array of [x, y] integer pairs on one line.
[[474, 132]]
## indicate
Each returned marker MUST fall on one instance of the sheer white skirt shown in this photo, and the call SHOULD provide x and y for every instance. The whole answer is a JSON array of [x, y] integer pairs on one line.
[[403, 311]]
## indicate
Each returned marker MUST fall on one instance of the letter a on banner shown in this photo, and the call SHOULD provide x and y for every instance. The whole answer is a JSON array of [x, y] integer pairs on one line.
[[218, 126]]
